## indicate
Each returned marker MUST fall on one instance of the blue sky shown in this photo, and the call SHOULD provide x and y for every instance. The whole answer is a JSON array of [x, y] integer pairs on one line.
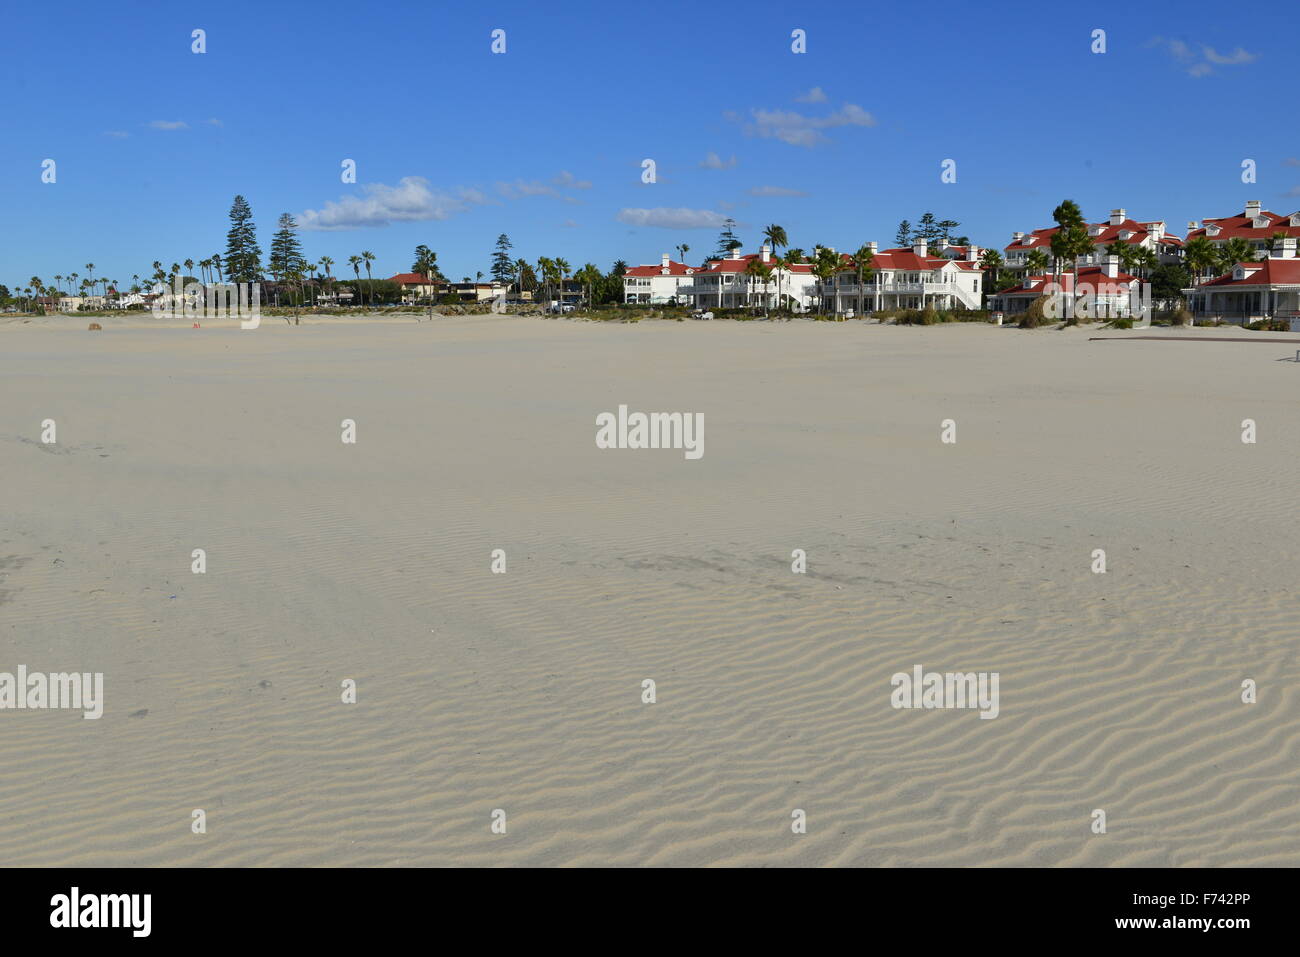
[[455, 144]]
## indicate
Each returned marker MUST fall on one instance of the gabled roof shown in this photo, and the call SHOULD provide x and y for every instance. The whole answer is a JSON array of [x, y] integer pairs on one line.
[[1268, 272], [674, 269], [1239, 227], [738, 265], [413, 279], [1138, 232]]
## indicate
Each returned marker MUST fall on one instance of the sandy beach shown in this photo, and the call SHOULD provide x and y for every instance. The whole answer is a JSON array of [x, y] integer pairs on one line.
[[522, 691]]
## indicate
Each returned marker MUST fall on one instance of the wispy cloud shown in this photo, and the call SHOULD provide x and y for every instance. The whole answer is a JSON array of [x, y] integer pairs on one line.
[[568, 181], [815, 95], [411, 200], [775, 191], [666, 218], [117, 134], [214, 122], [714, 161], [169, 125], [1203, 62], [569, 224], [521, 188], [1291, 161], [798, 129]]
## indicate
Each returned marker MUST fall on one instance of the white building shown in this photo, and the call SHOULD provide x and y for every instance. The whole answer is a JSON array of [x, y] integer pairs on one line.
[[1256, 226], [1118, 228], [1266, 289], [725, 284], [907, 279], [668, 282]]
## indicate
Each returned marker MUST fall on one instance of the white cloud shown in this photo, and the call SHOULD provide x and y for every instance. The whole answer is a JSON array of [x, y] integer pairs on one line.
[[1236, 56], [666, 218], [1203, 63], [714, 161], [411, 200], [569, 181], [800, 130], [815, 95], [775, 191], [170, 125]]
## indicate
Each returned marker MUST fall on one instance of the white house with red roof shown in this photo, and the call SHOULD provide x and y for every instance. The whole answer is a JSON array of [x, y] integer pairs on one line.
[[1108, 291], [667, 282], [724, 284], [1252, 291], [908, 278], [1256, 226], [1118, 228]]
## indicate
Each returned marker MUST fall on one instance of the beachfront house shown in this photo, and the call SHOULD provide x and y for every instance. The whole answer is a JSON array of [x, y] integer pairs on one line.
[[1108, 291], [906, 278], [1256, 226], [1118, 228], [1252, 291], [723, 283], [664, 283]]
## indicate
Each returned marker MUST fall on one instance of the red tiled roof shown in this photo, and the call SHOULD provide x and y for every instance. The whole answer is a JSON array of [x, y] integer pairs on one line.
[[1042, 238], [412, 279], [1269, 272], [738, 265], [1239, 227], [674, 269]]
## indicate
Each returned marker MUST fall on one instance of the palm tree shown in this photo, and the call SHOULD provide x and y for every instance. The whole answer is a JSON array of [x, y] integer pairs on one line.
[[826, 263], [216, 261], [355, 263], [1235, 250], [520, 266], [1201, 257], [368, 257], [991, 261], [90, 272], [862, 260], [562, 268], [1035, 262], [58, 280], [189, 268], [775, 236]]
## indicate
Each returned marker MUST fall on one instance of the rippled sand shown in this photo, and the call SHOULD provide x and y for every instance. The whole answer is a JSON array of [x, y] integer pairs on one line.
[[522, 691]]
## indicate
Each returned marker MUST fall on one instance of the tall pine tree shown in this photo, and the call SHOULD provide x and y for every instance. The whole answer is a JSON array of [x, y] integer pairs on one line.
[[503, 267], [243, 259], [286, 251]]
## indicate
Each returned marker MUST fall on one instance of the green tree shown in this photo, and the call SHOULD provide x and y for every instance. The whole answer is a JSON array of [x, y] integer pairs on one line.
[[503, 267], [727, 239], [243, 257], [903, 238], [286, 250], [368, 257]]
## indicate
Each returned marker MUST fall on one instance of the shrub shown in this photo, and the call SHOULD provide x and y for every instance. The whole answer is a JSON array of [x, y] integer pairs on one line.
[[1033, 316]]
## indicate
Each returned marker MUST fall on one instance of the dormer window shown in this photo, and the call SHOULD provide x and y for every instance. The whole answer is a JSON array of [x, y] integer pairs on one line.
[[1126, 234], [1212, 230]]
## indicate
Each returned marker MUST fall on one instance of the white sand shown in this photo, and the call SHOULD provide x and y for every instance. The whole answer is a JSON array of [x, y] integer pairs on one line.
[[522, 691]]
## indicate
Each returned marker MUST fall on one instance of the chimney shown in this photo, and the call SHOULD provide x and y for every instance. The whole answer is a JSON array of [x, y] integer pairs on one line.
[[1157, 231], [1016, 237], [873, 247], [1252, 209], [734, 253], [663, 264], [1110, 266], [920, 249], [765, 253], [1117, 216], [1191, 224], [973, 253]]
